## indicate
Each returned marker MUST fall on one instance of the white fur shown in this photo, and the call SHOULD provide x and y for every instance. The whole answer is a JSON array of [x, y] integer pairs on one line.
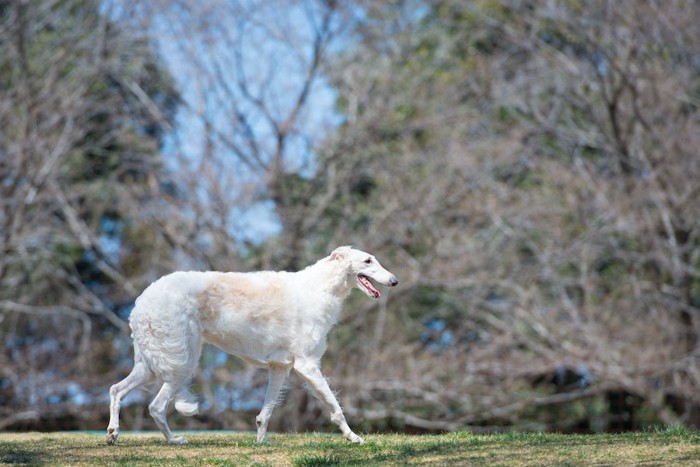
[[277, 320]]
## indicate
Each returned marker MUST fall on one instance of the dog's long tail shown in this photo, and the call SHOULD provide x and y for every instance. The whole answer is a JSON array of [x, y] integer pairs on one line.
[[186, 403]]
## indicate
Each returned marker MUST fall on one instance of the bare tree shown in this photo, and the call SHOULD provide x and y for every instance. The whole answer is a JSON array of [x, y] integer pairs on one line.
[[255, 104], [78, 159], [532, 166]]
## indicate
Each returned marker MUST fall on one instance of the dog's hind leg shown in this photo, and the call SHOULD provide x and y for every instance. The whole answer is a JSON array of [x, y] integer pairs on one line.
[[138, 376], [159, 409], [311, 373], [274, 385]]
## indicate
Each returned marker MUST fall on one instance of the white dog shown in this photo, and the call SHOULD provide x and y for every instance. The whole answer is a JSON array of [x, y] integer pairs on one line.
[[277, 320]]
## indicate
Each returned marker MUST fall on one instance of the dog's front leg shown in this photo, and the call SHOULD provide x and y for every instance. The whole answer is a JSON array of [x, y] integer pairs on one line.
[[311, 373]]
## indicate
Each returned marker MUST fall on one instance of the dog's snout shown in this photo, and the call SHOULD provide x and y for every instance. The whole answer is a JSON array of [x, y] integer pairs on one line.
[[393, 281]]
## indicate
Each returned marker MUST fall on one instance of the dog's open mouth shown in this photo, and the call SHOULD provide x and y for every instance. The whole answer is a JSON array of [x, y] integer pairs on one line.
[[368, 286]]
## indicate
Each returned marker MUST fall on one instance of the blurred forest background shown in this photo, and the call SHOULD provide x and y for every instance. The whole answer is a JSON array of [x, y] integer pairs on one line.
[[528, 169]]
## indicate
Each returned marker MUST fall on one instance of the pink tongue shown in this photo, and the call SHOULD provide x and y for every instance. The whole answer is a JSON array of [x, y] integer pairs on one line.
[[367, 283]]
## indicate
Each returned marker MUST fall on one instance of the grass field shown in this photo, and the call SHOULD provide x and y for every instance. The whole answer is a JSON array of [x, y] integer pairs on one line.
[[663, 447]]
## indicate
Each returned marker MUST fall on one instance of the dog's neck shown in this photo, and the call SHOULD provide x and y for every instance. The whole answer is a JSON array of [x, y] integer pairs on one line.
[[330, 276]]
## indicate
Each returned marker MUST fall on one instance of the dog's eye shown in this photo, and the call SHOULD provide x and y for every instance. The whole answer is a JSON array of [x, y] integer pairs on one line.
[[368, 261]]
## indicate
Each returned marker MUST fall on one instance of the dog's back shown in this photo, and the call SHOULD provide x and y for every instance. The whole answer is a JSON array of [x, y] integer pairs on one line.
[[251, 315]]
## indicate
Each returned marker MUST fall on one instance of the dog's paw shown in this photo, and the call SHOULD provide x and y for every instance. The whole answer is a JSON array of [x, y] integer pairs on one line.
[[178, 440], [112, 435], [264, 441], [353, 438]]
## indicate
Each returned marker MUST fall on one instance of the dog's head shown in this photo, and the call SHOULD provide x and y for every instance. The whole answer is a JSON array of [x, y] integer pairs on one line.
[[364, 268]]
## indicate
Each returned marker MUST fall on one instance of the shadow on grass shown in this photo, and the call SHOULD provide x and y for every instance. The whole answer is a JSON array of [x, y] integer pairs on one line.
[[10, 454]]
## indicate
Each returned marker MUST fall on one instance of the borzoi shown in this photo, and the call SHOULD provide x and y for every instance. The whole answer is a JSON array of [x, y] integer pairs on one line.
[[276, 320]]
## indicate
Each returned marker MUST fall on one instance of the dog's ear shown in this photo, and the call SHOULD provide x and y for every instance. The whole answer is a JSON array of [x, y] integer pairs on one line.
[[340, 253]]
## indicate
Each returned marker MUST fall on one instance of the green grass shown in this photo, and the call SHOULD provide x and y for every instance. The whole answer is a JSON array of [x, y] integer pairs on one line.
[[674, 446]]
